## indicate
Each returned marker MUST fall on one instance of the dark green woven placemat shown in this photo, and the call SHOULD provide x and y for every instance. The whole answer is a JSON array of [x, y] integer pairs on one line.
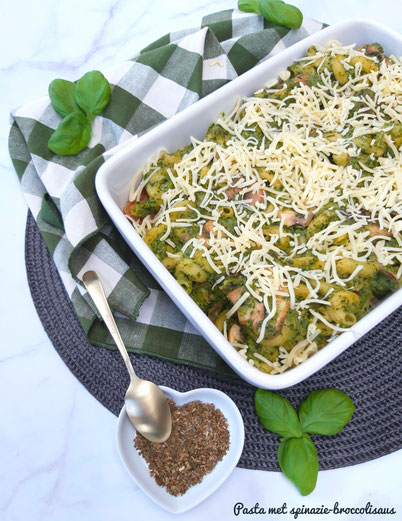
[[369, 372]]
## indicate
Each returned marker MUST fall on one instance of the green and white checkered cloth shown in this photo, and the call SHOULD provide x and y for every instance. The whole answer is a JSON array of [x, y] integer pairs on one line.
[[166, 77]]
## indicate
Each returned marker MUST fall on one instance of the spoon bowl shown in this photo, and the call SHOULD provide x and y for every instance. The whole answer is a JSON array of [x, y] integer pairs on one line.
[[148, 410], [146, 405]]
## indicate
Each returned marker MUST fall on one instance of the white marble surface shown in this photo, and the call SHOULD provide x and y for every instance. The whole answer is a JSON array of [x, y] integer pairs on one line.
[[58, 455]]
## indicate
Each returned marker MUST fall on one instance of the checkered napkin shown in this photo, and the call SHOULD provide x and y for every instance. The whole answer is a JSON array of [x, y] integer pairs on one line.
[[166, 77]]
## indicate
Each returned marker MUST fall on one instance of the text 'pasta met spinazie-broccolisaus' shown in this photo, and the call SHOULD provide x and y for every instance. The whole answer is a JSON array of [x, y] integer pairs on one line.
[[284, 223]]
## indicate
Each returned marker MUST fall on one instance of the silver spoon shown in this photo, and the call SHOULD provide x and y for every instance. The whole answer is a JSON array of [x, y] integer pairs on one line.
[[146, 405]]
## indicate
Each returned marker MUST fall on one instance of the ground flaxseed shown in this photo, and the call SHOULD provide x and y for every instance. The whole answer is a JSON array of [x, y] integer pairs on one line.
[[199, 440]]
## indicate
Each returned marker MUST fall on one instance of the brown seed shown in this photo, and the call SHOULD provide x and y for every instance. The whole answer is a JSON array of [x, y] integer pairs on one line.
[[199, 440]]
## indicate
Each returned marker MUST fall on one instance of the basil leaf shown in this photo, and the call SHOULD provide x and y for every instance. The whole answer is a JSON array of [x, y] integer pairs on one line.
[[298, 461], [325, 412], [249, 6], [61, 94], [92, 93], [276, 414], [281, 13], [72, 135]]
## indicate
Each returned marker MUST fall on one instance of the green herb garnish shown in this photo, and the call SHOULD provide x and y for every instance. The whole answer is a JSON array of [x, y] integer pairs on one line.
[[78, 104], [277, 415], [275, 11], [298, 461], [92, 93], [72, 135], [61, 94], [323, 412]]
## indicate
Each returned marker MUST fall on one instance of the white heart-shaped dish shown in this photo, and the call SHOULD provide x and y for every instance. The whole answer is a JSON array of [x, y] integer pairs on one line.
[[138, 468]]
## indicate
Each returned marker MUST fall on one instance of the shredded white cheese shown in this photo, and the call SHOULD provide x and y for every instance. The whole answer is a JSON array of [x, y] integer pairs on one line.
[[289, 172]]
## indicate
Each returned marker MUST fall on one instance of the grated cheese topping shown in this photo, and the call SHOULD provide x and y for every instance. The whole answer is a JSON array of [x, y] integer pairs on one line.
[[276, 166]]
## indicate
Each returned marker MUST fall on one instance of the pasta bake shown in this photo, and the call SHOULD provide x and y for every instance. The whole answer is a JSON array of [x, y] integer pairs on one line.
[[284, 223]]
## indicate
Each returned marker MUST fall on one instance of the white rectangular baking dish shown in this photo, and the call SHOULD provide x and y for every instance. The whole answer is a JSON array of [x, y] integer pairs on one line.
[[115, 175]]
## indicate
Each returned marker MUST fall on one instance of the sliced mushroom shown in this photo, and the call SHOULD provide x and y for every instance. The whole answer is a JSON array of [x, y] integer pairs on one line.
[[389, 274], [291, 218], [234, 295], [282, 308], [258, 314], [254, 313], [232, 191], [244, 314], [214, 311], [235, 335], [208, 226], [302, 78], [255, 197], [375, 229]]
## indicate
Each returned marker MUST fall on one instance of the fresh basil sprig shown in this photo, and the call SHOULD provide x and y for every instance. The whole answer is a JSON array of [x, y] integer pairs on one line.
[[92, 93], [249, 6], [277, 415], [298, 461], [323, 412], [275, 11], [61, 94], [72, 135], [78, 104]]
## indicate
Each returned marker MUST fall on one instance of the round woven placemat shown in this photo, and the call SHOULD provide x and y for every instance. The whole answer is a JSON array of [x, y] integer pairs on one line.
[[369, 372]]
